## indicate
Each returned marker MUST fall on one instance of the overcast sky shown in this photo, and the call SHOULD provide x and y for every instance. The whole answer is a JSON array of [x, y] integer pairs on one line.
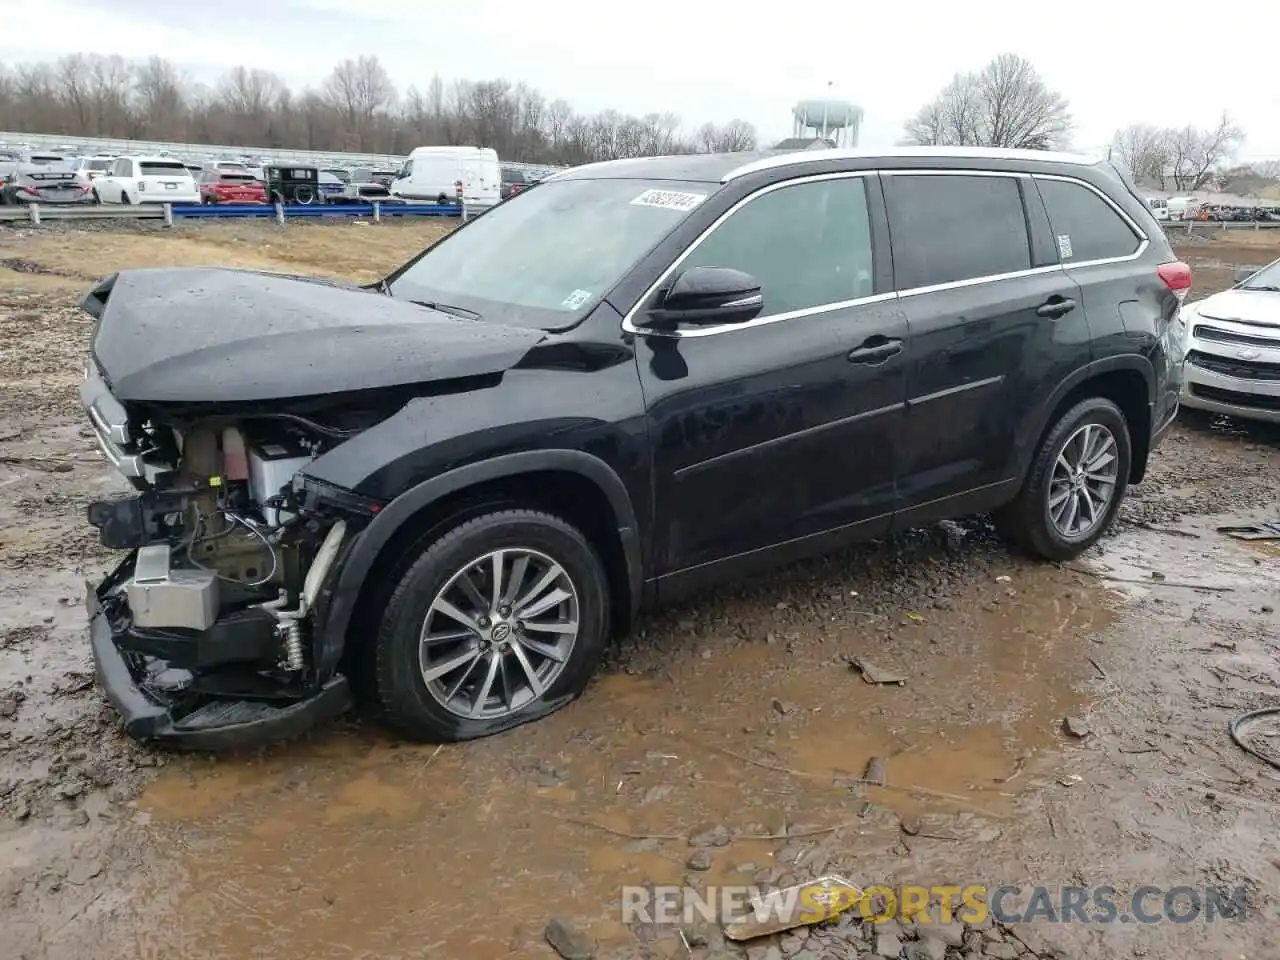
[[1117, 62]]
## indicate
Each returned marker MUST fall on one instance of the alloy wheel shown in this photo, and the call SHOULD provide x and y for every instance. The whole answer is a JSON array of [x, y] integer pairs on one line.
[[1083, 482], [499, 633]]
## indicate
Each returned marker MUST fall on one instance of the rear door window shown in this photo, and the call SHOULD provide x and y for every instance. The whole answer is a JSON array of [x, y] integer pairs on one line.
[[1085, 226], [809, 245], [151, 168], [951, 227]]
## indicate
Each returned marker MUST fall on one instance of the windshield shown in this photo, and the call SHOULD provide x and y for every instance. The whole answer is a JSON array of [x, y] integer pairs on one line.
[[1268, 278], [547, 256]]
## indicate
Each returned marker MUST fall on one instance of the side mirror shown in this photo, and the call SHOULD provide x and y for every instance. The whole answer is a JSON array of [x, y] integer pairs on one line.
[[708, 296], [1244, 273]]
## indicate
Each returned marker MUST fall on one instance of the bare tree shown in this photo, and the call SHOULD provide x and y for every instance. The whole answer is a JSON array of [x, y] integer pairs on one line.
[[1183, 158], [111, 81], [160, 101], [361, 91], [1267, 169], [733, 136], [1005, 104], [1196, 154], [1145, 151], [93, 95]]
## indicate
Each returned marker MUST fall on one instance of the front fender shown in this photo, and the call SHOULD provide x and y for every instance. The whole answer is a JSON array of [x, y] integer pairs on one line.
[[365, 549]]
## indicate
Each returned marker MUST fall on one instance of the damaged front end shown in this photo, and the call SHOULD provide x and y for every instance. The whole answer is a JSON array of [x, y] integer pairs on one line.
[[203, 633]]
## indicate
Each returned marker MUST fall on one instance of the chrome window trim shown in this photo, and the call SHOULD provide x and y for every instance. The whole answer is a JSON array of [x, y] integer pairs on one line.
[[953, 172], [629, 326], [628, 323], [1144, 241], [1143, 244], [977, 281], [903, 153]]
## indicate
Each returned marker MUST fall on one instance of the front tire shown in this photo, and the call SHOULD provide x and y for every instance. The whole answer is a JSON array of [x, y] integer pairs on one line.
[[1076, 483], [499, 621]]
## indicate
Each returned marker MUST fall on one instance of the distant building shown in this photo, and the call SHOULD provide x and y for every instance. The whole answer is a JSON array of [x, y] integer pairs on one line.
[[805, 143]]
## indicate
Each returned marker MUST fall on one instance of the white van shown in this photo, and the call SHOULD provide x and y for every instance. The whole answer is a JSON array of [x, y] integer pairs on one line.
[[430, 175], [1159, 207], [1182, 208]]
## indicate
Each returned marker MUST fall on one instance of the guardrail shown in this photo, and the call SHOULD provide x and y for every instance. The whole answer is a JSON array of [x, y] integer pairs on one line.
[[1191, 227], [36, 213]]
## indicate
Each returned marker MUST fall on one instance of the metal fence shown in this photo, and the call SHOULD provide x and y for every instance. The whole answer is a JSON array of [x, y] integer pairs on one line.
[[37, 213], [1178, 228]]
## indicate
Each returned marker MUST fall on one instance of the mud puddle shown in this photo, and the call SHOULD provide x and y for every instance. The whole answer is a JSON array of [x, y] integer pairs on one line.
[[466, 850]]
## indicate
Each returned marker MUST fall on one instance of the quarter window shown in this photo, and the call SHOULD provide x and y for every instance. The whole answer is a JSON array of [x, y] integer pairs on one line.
[[1085, 226], [952, 227], [809, 245]]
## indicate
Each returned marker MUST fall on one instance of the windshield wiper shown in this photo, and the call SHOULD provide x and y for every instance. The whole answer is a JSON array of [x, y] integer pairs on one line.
[[448, 308], [1265, 289]]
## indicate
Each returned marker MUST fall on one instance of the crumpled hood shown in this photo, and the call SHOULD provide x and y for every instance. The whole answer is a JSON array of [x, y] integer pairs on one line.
[[1242, 306], [210, 335]]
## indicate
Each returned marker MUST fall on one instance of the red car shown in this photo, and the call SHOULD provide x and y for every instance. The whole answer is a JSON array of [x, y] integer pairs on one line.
[[231, 186]]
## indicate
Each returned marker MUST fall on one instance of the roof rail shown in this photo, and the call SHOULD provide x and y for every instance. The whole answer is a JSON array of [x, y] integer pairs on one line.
[[903, 153]]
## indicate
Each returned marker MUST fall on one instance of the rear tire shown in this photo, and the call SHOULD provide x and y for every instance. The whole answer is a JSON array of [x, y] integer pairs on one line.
[[515, 655], [1076, 483]]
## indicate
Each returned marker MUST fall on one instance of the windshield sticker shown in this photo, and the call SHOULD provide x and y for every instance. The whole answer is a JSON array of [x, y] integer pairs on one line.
[[576, 299], [669, 200], [1064, 246]]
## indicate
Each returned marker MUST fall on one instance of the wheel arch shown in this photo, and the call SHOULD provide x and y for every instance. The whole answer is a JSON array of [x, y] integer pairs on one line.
[[576, 485], [1128, 381]]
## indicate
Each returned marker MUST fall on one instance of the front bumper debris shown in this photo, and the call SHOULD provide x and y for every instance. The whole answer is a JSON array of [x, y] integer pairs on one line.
[[212, 723]]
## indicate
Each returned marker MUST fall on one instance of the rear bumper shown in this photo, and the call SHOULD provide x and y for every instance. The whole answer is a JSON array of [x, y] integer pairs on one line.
[[215, 724]]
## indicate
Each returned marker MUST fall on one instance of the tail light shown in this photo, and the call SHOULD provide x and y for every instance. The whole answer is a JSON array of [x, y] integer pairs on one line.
[[1177, 277], [34, 191]]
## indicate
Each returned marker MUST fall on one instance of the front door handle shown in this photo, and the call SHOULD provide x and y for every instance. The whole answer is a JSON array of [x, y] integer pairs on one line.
[[1055, 307], [875, 350]]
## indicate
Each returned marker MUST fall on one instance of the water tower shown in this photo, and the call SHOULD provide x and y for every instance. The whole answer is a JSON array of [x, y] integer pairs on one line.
[[828, 118]]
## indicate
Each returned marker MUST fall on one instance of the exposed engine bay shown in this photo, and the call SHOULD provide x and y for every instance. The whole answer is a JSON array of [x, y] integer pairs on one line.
[[240, 405], [223, 528], [227, 560]]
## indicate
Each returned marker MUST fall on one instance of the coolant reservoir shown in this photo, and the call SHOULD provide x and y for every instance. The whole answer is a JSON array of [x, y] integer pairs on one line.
[[235, 462]]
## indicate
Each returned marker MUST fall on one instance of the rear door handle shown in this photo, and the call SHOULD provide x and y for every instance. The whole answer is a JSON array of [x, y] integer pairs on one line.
[[875, 350], [1055, 307]]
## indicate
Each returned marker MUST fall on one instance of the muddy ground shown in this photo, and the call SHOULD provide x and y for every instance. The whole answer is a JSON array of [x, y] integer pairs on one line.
[[717, 747]]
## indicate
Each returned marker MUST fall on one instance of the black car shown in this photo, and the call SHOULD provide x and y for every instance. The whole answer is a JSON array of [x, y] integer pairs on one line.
[[451, 485], [513, 181], [291, 184]]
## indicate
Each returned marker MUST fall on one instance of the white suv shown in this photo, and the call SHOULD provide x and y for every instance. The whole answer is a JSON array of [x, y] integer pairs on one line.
[[134, 180]]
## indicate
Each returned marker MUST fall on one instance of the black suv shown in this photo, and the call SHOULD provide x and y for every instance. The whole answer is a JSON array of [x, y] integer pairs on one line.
[[450, 486]]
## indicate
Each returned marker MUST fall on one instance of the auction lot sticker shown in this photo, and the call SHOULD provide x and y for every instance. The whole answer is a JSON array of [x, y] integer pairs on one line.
[[669, 199]]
